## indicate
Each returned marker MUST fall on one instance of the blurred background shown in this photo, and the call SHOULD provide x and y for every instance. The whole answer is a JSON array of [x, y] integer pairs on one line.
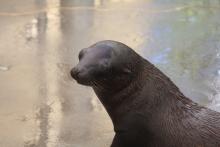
[[41, 106]]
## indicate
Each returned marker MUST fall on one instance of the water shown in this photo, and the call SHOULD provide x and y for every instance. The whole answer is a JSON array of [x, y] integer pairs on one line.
[[41, 106]]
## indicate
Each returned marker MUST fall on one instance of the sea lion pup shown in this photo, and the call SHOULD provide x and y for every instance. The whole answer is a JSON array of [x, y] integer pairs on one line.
[[145, 106]]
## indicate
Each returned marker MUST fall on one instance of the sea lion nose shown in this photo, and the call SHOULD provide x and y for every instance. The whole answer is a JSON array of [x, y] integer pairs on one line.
[[75, 73]]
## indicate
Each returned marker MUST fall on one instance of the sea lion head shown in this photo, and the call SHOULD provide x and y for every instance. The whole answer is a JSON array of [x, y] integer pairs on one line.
[[106, 63]]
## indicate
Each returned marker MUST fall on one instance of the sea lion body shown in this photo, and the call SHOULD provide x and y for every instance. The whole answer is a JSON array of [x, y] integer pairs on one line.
[[145, 106]]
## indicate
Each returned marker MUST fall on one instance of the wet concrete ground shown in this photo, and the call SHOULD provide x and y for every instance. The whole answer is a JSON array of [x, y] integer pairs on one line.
[[41, 106]]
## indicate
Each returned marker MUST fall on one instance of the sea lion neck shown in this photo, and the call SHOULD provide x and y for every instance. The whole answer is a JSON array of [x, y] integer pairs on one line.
[[115, 99]]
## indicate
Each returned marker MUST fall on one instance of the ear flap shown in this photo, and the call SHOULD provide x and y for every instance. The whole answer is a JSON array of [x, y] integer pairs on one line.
[[105, 63]]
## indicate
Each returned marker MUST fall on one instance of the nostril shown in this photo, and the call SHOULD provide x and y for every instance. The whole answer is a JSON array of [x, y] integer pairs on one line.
[[74, 73]]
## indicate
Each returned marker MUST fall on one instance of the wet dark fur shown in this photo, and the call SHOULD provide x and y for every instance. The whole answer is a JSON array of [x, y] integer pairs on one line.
[[146, 108]]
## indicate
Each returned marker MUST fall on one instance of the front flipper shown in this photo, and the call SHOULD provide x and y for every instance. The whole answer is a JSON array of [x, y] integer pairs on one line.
[[132, 132], [116, 141], [125, 139]]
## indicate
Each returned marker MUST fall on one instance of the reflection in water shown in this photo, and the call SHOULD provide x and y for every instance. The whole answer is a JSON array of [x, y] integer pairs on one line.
[[50, 110], [39, 99], [53, 99]]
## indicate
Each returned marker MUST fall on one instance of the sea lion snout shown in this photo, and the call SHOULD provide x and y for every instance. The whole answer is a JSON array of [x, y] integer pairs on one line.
[[75, 73], [81, 75]]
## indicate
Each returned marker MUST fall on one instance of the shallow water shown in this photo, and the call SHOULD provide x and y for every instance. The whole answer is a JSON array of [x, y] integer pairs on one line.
[[41, 106]]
